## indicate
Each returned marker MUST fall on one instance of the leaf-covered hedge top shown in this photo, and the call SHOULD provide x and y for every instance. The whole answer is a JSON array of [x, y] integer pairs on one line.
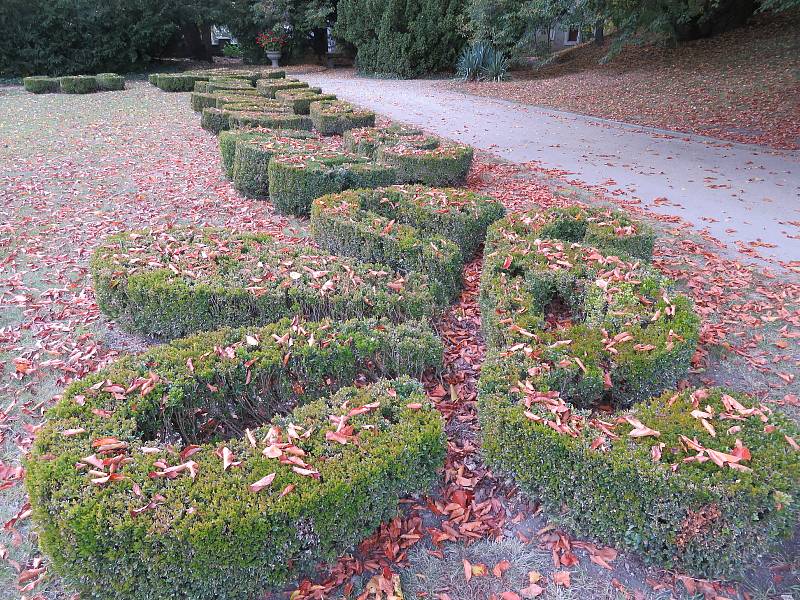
[[708, 436], [338, 108], [268, 87], [368, 139], [225, 260], [293, 94], [148, 444], [323, 158], [604, 228], [458, 215]]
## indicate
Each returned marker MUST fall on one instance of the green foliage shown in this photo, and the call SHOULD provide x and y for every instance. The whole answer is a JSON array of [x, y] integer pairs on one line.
[[228, 141], [233, 51], [178, 82], [402, 38], [110, 82], [332, 117], [295, 180], [175, 282], [41, 85], [79, 84], [299, 100], [367, 140], [471, 60], [626, 335], [201, 530], [677, 512], [409, 228], [268, 87], [494, 67]]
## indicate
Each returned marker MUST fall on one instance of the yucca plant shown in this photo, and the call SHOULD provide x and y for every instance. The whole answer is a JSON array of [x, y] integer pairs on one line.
[[494, 66], [471, 60]]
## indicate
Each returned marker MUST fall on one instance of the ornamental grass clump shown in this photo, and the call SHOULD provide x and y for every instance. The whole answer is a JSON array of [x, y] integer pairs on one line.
[[296, 179], [175, 282], [410, 228], [334, 117], [222, 464]]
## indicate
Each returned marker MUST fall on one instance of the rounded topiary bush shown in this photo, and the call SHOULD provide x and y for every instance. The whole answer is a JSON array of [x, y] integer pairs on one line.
[[700, 481], [268, 87], [411, 228], [217, 466], [172, 283], [250, 173], [447, 163], [110, 82], [332, 117], [78, 84], [296, 179], [41, 85], [299, 100], [602, 330]]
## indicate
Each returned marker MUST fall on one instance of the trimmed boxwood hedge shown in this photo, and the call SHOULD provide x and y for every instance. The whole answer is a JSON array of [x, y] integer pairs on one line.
[[296, 179], [410, 228], [110, 82], [300, 99], [172, 283], [150, 479], [252, 157], [367, 140], [670, 495], [216, 120], [446, 164], [627, 336], [78, 84], [268, 87], [41, 85], [178, 82], [221, 99], [225, 83], [228, 140], [185, 82], [331, 117]]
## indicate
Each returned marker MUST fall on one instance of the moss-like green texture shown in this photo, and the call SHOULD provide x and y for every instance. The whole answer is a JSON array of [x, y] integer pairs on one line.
[[141, 480], [268, 87], [334, 117], [41, 85], [110, 82], [79, 84], [410, 228], [299, 100], [175, 282]]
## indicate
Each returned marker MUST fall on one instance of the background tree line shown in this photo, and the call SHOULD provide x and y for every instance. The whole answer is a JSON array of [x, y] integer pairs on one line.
[[405, 38]]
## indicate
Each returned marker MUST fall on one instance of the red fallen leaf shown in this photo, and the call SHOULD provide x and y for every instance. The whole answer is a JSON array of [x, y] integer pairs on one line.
[[189, 450], [335, 436], [228, 459], [23, 365], [261, 483], [71, 432], [414, 405], [639, 429], [532, 591], [467, 570], [510, 596], [741, 451], [363, 409], [561, 578], [306, 472], [791, 442], [507, 262], [287, 490], [389, 226], [272, 451], [501, 568]]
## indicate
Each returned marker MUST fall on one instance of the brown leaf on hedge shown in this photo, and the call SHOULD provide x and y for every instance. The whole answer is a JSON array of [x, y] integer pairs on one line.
[[261, 483], [640, 429]]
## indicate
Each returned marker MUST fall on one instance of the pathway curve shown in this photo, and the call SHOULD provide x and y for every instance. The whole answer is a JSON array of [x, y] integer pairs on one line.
[[741, 193]]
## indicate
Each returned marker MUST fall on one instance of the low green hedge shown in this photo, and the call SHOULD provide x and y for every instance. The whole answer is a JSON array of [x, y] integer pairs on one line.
[[225, 83], [295, 180], [172, 283], [230, 138], [41, 85], [669, 495], [110, 82], [200, 86], [410, 228], [622, 335], [152, 78], [446, 164], [154, 478], [268, 87], [367, 140], [250, 173], [178, 82], [201, 100], [332, 117], [78, 84], [300, 99], [216, 120]]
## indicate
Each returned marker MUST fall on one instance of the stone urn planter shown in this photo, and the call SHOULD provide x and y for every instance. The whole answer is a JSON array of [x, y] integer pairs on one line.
[[274, 56]]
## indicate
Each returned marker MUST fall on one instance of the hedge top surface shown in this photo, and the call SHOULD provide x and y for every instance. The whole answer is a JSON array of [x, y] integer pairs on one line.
[[268, 87], [174, 282], [366, 140], [164, 463], [339, 108]]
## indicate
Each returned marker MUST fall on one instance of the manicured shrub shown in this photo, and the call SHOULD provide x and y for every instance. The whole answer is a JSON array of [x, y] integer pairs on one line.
[[367, 140], [172, 283], [300, 99], [703, 482], [446, 164], [110, 82], [229, 139], [274, 119], [600, 329], [228, 83], [201, 100], [252, 158], [200, 86], [178, 82], [336, 116], [152, 78], [215, 120], [410, 228], [154, 478], [78, 84], [295, 180], [268, 87], [41, 85]]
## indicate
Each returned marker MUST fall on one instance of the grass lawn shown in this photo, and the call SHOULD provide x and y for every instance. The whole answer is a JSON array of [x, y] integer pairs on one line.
[[75, 169], [742, 86]]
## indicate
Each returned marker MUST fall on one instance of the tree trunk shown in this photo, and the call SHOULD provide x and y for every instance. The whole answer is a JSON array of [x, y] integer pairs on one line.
[[599, 37], [193, 38]]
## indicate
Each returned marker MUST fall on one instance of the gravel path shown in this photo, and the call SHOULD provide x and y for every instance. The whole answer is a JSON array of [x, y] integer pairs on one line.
[[747, 196]]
